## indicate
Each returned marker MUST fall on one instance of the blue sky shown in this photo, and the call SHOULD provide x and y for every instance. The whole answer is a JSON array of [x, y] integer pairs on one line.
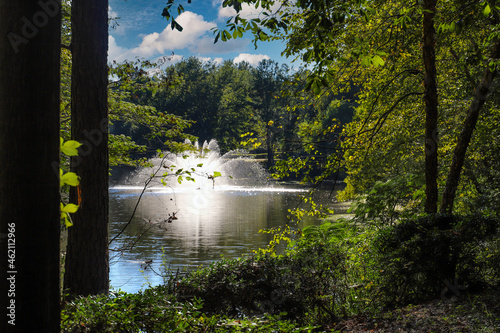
[[144, 33]]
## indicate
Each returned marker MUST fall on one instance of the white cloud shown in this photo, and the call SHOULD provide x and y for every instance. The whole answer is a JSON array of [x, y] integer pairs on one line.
[[116, 52], [226, 12], [111, 12], [194, 27], [196, 36], [252, 59], [216, 61], [247, 11]]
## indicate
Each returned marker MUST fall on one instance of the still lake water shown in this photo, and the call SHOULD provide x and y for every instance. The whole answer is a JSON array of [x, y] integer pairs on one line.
[[223, 221]]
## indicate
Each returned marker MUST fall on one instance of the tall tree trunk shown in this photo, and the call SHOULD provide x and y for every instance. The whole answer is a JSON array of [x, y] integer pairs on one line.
[[470, 122], [29, 146], [431, 107], [270, 147], [87, 260]]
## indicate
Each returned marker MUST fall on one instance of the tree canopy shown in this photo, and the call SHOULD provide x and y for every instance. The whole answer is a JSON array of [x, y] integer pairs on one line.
[[388, 50]]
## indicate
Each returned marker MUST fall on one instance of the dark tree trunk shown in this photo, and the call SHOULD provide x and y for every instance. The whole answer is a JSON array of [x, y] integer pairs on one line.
[[270, 147], [470, 121], [87, 264], [29, 147], [431, 107]]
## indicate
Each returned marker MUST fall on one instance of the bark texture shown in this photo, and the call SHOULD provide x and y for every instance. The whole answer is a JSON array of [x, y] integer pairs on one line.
[[29, 159], [87, 262]]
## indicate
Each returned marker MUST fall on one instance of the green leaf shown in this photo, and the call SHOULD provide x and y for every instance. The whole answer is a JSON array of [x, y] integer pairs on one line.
[[217, 174], [378, 61], [69, 208], [67, 221], [487, 10], [199, 165], [70, 178], [70, 147], [366, 61]]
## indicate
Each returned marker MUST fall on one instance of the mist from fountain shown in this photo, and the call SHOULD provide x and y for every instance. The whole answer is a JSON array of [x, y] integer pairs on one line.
[[207, 168]]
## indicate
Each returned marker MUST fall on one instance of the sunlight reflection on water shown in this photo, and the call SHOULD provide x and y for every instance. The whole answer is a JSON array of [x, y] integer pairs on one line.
[[210, 223]]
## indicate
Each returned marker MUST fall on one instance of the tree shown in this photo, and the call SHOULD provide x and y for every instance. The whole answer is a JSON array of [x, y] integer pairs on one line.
[[374, 44], [219, 99], [481, 94], [235, 111], [87, 259], [29, 147], [431, 106], [269, 80]]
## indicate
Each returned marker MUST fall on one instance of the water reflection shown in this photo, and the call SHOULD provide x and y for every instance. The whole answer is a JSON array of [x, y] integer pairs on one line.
[[210, 223]]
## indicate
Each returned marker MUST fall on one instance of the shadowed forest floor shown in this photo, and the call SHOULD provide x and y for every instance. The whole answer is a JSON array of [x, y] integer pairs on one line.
[[469, 313]]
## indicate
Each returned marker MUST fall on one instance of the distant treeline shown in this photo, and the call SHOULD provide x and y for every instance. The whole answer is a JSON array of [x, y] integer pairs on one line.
[[262, 109]]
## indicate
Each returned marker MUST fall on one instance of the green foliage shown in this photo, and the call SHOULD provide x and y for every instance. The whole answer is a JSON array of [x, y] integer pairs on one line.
[[136, 127], [420, 257], [145, 311], [387, 202], [68, 148], [307, 279], [489, 259], [152, 310]]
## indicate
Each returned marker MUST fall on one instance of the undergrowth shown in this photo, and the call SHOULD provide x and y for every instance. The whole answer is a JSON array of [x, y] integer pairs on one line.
[[327, 276]]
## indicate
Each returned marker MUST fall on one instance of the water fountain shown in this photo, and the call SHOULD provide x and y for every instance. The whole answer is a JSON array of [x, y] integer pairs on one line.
[[220, 213], [202, 168]]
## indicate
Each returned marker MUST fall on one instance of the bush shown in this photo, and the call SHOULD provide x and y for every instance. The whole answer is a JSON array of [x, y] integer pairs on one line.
[[145, 311], [387, 202], [304, 280], [154, 311], [420, 258]]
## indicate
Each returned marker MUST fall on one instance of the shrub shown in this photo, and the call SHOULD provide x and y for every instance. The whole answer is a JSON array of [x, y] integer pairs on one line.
[[154, 311], [387, 202], [421, 257], [145, 311], [304, 280]]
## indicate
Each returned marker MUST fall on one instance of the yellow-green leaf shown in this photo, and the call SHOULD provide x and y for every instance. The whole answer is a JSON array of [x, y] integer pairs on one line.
[[70, 147], [217, 174], [70, 208], [67, 221], [378, 61], [70, 178], [487, 10]]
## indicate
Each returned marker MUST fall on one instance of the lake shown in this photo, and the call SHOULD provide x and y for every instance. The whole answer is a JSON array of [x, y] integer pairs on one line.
[[185, 228]]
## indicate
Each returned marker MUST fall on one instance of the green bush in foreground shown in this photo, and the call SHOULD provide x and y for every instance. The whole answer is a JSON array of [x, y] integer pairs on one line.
[[333, 271], [436, 256], [154, 311], [147, 311], [306, 280]]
